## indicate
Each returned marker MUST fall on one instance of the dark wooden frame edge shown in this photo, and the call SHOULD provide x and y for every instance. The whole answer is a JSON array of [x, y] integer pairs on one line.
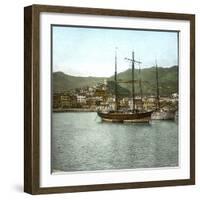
[[31, 98]]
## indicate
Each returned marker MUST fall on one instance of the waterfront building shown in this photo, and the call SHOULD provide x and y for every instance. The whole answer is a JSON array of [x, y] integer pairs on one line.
[[81, 99], [56, 100]]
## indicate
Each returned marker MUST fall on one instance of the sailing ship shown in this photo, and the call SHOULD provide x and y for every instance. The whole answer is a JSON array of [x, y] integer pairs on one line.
[[160, 113], [134, 115]]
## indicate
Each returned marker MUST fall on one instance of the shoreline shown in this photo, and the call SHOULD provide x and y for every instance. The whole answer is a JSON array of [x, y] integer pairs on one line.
[[74, 110]]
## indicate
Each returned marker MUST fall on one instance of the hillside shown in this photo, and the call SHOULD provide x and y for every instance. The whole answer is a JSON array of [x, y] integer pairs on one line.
[[167, 81], [64, 82]]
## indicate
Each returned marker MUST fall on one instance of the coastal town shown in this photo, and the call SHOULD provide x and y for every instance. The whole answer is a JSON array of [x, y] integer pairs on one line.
[[98, 97]]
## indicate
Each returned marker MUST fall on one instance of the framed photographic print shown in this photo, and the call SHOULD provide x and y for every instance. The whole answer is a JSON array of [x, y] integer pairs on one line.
[[109, 99]]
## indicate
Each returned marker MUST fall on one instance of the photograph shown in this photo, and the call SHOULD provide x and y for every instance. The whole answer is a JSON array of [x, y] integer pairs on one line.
[[114, 99]]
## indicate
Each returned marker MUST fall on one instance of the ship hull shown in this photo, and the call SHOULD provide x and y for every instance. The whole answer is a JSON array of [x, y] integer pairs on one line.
[[143, 117]]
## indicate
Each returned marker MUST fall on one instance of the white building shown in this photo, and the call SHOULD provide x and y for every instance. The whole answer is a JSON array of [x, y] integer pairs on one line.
[[81, 99]]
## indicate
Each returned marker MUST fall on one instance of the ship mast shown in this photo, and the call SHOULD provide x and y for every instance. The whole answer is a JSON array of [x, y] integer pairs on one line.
[[133, 61], [140, 81], [157, 88], [133, 79], [116, 92]]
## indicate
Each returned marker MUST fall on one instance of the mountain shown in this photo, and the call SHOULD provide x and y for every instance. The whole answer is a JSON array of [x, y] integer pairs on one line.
[[168, 81], [167, 77], [64, 82]]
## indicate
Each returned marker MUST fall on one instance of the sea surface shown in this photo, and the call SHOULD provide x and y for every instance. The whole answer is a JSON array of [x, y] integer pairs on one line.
[[81, 142]]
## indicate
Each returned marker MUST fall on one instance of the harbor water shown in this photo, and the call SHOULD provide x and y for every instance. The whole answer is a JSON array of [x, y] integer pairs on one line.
[[81, 142]]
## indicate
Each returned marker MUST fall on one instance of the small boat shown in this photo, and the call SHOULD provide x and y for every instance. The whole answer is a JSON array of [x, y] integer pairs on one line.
[[134, 116], [163, 115]]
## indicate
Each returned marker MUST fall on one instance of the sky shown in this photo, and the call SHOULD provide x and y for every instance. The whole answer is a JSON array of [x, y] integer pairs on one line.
[[81, 51]]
